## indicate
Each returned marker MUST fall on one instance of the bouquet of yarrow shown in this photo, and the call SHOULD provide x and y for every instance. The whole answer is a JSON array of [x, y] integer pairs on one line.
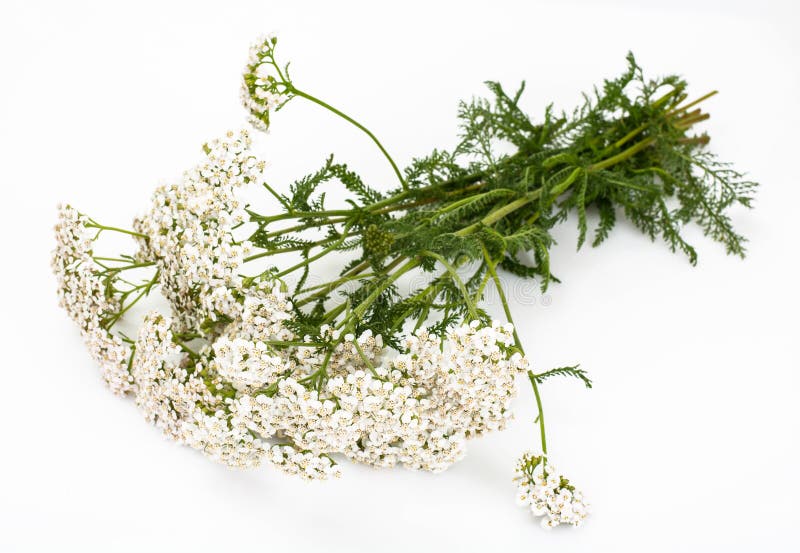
[[256, 363]]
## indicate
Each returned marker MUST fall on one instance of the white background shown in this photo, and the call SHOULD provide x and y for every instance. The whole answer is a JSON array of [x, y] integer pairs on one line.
[[689, 440]]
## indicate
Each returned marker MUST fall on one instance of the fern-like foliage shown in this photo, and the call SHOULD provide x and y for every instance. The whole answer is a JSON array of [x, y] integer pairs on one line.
[[626, 153], [569, 372]]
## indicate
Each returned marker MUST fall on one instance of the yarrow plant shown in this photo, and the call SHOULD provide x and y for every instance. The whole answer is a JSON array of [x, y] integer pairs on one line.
[[255, 364]]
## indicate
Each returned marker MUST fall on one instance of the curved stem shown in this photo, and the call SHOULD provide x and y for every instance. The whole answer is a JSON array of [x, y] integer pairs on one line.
[[362, 307], [518, 342], [432, 288], [325, 289], [333, 284], [457, 280], [95, 224], [365, 359], [116, 270], [532, 378], [349, 119], [145, 291]]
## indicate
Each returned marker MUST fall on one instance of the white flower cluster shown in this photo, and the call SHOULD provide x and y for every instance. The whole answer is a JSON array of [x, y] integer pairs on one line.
[[261, 93], [255, 392], [82, 293], [189, 229], [415, 409], [176, 394], [246, 364], [242, 355], [166, 392], [230, 373], [547, 493]]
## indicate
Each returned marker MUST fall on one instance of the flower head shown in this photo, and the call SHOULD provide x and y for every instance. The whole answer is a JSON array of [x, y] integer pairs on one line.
[[548, 494], [84, 295], [265, 86], [189, 230]]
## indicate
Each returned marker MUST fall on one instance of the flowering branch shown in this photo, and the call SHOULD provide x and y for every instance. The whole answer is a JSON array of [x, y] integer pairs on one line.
[[262, 92], [256, 365]]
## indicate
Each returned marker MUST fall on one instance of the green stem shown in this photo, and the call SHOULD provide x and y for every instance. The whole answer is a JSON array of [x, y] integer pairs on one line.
[[482, 287], [535, 387], [301, 215], [117, 259], [501, 212], [379, 208], [278, 197], [353, 274], [432, 288], [331, 285], [702, 98], [303, 226], [456, 279], [365, 359], [311, 259], [622, 156], [129, 267], [349, 119], [317, 376], [335, 312], [362, 307], [294, 343], [95, 224], [193, 354], [145, 291], [279, 251], [518, 342]]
